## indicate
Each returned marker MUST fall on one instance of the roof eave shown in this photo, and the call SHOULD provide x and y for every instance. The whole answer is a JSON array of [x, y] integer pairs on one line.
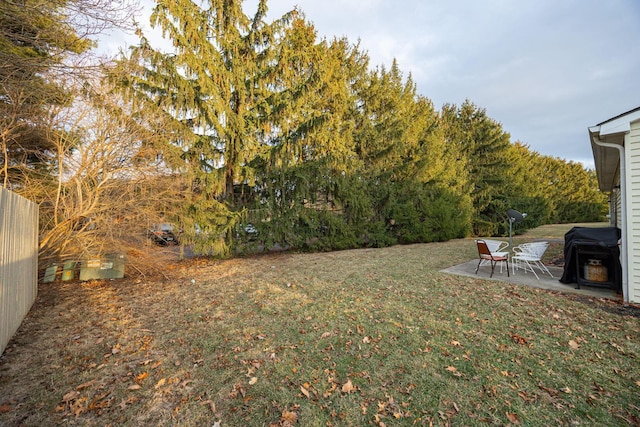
[[606, 160]]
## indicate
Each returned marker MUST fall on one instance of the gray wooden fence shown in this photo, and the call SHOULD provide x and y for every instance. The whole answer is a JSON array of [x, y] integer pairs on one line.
[[18, 261]]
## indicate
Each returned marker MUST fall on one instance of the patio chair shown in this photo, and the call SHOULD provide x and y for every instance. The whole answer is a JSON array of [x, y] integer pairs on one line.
[[485, 254], [497, 249], [528, 255], [496, 246]]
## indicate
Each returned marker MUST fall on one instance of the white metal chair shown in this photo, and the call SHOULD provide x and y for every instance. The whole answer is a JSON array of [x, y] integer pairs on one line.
[[496, 246], [528, 255]]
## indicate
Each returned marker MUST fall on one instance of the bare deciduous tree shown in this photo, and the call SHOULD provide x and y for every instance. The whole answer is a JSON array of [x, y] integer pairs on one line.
[[106, 184], [42, 44]]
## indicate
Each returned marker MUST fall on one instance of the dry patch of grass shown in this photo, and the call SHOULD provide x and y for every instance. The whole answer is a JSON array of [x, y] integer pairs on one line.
[[557, 231], [361, 337], [554, 234]]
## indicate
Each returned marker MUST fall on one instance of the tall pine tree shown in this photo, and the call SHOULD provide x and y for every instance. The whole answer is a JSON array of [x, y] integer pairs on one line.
[[483, 148], [214, 88], [35, 39]]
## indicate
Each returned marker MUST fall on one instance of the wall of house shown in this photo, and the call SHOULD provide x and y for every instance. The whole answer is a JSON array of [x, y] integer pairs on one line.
[[615, 208], [632, 151]]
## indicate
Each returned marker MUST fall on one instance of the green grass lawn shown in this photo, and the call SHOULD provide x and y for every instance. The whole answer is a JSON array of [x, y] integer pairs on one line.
[[361, 337]]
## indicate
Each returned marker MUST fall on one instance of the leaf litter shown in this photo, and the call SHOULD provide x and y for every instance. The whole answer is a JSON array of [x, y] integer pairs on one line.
[[359, 337]]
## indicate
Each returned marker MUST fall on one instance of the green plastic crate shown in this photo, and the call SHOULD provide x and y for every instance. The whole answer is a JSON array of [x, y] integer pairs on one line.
[[68, 270], [50, 274], [110, 266]]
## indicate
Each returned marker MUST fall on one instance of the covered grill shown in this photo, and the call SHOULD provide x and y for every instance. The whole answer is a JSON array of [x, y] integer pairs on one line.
[[592, 257]]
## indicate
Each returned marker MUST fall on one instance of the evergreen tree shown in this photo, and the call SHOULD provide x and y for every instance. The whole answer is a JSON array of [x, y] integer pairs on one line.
[[214, 89], [527, 190], [303, 180], [572, 191], [406, 164], [35, 37], [483, 147], [43, 46]]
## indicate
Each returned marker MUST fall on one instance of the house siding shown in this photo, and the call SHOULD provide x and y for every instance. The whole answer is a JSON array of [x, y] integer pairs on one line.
[[632, 144], [615, 210]]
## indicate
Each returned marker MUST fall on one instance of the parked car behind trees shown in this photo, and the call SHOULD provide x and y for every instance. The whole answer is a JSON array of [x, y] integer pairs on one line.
[[164, 234]]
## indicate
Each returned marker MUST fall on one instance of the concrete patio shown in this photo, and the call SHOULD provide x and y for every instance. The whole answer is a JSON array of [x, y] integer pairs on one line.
[[528, 279]]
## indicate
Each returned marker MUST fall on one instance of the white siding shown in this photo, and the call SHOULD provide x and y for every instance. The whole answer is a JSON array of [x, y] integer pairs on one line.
[[632, 151], [616, 208]]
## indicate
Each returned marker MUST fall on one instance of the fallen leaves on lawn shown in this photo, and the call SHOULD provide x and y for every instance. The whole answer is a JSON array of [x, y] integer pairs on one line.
[[348, 387], [211, 404], [237, 390], [518, 339], [449, 413], [305, 391], [68, 397], [390, 407], [288, 418], [526, 397], [453, 370], [551, 391], [72, 403], [140, 377], [617, 347], [513, 418], [85, 385], [365, 344]]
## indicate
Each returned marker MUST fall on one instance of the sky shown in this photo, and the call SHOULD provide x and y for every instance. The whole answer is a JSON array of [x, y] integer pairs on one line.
[[546, 70]]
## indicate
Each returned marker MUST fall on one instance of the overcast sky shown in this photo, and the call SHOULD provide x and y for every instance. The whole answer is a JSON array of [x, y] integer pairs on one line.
[[545, 69]]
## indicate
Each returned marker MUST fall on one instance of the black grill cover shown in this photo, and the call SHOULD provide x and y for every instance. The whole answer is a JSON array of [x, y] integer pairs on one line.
[[604, 239]]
